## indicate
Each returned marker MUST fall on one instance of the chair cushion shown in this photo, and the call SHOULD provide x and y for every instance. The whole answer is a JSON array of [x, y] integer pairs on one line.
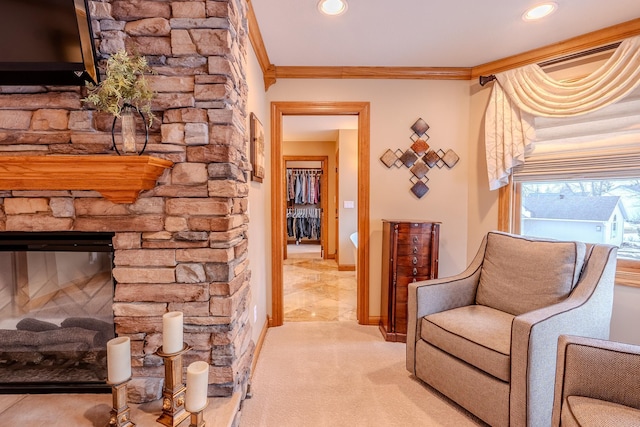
[[479, 335], [587, 412], [521, 274]]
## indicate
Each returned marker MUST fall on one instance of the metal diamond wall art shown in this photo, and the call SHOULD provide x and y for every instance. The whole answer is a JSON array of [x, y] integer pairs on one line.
[[419, 158]]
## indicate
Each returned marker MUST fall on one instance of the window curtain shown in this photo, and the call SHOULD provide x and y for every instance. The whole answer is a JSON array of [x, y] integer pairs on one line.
[[523, 95]]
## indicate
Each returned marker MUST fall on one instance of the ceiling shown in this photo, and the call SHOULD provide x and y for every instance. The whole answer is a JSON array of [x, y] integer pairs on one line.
[[423, 33], [416, 33], [316, 128]]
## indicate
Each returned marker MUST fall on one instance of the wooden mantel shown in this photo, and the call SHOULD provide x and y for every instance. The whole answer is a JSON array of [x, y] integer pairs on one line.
[[120, 179]]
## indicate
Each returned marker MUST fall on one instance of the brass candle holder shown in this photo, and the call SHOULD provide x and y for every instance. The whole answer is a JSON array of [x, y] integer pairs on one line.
[[173, 392], [197, 418], [120, 413]]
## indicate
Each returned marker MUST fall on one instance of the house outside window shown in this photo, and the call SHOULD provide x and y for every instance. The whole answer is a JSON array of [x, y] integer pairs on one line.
[[592, 210], [588, 211]]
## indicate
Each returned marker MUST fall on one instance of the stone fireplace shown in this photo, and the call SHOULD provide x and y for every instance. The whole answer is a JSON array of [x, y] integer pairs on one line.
[[56, 311], [182, 245]]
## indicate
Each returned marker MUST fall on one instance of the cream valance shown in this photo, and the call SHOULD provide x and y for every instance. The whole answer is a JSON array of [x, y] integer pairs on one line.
[[522, 94]]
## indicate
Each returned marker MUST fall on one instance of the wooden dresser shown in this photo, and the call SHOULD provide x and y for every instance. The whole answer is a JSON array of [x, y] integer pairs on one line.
[[409, 254]]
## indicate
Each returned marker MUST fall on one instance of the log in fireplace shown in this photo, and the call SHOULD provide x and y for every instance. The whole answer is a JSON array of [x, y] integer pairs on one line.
[[56, 311]]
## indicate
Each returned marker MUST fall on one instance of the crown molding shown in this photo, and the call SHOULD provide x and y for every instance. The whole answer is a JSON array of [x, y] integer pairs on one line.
[[255, 37], [590, 40], [576, 44], [418, 73]]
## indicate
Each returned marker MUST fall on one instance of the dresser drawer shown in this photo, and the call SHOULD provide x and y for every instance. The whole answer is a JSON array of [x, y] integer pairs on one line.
[[406, 271], [403, 282], [414, 227], [410, 250], [414, 239], [420, 260]]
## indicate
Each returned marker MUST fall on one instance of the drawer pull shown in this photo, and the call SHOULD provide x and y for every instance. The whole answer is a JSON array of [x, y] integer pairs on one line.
[[415, 271], [415, 260], [415, 249], [415, 239]]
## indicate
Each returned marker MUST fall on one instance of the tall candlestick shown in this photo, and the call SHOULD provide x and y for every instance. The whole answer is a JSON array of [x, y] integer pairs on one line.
[[118, 360], [172, 339], [197, 382]]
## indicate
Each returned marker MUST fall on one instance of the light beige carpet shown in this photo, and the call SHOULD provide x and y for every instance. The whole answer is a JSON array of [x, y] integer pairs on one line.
[[340, 374]]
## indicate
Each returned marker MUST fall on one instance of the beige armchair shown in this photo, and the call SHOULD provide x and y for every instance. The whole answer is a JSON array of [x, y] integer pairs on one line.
[[597, 383], [487, 338]]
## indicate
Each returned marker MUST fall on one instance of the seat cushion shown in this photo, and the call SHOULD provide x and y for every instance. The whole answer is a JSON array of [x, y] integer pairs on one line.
[[522, 274], [587, 412], [476, 334]]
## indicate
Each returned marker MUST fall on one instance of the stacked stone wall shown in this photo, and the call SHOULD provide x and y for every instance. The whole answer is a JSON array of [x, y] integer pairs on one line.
[[181, 246]]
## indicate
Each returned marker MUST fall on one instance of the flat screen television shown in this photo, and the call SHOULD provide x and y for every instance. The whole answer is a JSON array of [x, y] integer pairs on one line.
[[46, 42]]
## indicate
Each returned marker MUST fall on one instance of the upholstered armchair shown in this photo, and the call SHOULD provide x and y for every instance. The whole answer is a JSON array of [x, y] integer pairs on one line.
[[487, 338], [597, 383]]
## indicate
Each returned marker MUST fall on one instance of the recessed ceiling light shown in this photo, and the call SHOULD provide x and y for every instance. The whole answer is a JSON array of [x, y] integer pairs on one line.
[[332, 7], [540, 11]]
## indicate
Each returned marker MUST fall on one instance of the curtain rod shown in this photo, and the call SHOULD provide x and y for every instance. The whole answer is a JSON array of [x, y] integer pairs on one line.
[[483, 80]]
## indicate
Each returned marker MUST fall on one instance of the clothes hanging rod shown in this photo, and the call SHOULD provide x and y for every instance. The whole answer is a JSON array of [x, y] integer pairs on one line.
[[305, 169], [483, 80]]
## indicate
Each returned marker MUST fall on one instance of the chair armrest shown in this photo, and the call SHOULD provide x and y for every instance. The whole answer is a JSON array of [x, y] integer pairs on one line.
[[433, 296], [599, 369], [534, 336]]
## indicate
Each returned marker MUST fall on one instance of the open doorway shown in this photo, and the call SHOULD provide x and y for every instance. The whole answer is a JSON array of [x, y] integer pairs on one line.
[[278, 111], [307, 199]]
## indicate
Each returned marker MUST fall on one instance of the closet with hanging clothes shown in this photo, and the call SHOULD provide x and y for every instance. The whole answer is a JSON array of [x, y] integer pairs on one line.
[[304, 214]]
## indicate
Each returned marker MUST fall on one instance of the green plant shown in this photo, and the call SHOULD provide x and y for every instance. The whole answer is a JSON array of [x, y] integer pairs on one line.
[[124, 84]]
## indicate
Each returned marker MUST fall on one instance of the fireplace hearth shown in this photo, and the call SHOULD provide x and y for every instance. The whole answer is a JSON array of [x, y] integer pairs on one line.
[[56, 315]]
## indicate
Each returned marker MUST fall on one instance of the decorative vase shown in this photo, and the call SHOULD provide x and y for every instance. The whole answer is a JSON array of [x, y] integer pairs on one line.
[[128, 131]]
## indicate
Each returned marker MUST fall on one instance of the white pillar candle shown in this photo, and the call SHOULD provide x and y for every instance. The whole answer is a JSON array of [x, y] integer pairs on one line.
[[172, 340], [197, 383], [118, 360]]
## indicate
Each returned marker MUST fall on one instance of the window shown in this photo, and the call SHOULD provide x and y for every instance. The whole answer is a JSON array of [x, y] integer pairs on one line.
[[589, 210]]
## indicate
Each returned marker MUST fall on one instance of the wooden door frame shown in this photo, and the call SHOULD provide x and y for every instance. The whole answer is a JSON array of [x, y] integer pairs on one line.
[[324, 199], [278, 110]]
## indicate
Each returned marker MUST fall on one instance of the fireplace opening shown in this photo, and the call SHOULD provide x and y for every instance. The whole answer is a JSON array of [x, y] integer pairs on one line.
[[56, 311]]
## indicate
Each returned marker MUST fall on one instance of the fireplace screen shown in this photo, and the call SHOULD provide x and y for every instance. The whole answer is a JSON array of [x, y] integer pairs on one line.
[[56, 314]]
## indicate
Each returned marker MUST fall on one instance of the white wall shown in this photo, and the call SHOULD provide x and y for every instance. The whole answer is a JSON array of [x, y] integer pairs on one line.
[[347, 191], [626, 315], [459, 197], [395, 106], [259, 206]]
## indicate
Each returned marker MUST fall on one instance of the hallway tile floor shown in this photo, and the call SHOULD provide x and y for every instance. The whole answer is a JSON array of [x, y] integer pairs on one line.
[[314, 290]]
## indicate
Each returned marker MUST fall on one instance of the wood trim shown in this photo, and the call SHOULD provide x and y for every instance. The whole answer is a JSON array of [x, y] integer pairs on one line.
[[277, 231], [364, 154], [628, 273], [324, 198], [416, 73], [374, 321], [278, 110], [255, 37], [118, 178], [505, 195], [259, 344], [346, 267], [576, 44]]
